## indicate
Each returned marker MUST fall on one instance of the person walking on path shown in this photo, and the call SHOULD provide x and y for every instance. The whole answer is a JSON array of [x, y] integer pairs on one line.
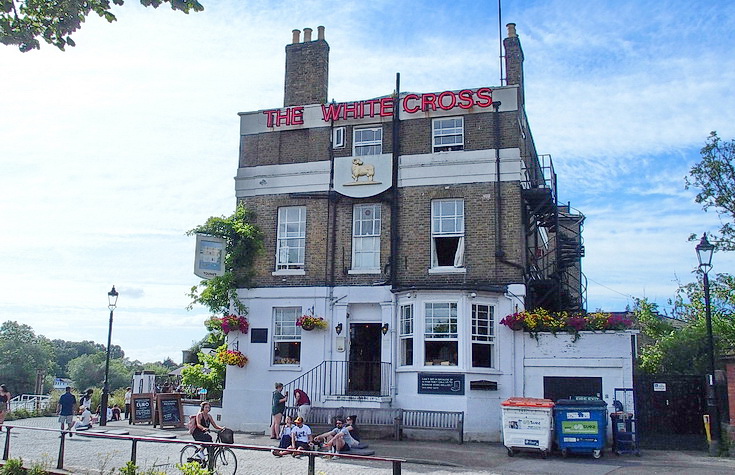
[[277, 410], [4, 402], [128, 397], [65, 409], [303, 403]]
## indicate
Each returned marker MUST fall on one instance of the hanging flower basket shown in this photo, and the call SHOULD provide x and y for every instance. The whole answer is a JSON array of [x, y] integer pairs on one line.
[[231, 323], [232, 358], [541, 320], [309, 323]]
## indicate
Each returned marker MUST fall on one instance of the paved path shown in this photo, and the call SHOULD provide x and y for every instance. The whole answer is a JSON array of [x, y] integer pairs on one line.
[[87, 455]]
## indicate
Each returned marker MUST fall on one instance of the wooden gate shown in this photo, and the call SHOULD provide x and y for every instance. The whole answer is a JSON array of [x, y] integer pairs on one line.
[[669, 411]]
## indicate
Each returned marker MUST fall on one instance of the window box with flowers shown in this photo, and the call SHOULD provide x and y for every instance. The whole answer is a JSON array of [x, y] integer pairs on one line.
[[541, 320], [232, 357], [310, 322]]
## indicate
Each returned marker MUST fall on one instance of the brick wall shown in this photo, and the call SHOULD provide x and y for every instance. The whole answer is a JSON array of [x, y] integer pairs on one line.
[[307, 73]]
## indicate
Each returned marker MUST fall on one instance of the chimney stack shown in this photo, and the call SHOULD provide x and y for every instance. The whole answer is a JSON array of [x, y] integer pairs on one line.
[[307, 69], [514, 61]]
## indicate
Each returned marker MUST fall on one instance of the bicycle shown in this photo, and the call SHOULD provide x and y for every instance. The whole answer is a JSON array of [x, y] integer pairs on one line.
[[223, 461]]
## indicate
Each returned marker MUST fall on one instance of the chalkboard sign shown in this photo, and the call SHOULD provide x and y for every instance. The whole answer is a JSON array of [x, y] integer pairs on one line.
[[170, 410], [142, 408], [441, 383]]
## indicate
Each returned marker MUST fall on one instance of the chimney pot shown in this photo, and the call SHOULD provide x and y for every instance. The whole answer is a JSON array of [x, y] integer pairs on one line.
[[511, 30], [296, 35], [319, 32], [307, 34]]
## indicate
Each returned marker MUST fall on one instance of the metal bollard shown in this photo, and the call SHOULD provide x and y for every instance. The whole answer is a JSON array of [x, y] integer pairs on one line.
[[60, 461], [312, 464], [6, 452], [134, 451], [396, 467]]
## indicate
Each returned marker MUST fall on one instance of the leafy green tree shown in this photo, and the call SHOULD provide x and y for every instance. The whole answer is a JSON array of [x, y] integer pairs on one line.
[[244, 243], [24, 22], [209, 374], [685, 350], [22, 354], [88, 371], [714, 176]]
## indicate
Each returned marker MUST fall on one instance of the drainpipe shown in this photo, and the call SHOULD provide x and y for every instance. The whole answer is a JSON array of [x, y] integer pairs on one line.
[[499, 253], [394, 181]]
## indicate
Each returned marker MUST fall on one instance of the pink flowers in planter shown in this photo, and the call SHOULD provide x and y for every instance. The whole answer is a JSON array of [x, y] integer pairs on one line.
[[541, 320], [231, 323]]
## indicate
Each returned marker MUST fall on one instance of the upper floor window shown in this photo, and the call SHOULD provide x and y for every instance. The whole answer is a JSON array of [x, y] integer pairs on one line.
[[447, 233], [286, 335], [483, 336], [441, 334], [406, 335], [366, 237], [291, 238], [448, 134], [368, 142], [338, 137]]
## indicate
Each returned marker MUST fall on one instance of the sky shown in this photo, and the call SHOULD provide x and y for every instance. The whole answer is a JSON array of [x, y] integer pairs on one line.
[[112, 150]]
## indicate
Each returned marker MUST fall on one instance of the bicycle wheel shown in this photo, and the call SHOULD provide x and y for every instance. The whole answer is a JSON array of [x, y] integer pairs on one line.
[[225, 462], [187, 453]]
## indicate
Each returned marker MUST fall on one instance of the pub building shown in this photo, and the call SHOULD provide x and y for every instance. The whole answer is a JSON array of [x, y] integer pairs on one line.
[[412, 224]]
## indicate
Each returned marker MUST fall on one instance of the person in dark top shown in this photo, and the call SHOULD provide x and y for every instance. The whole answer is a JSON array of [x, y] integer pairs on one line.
[[4, 402], [303, 403], [277, 409], [65, 409], [201, 432], [86, 399]]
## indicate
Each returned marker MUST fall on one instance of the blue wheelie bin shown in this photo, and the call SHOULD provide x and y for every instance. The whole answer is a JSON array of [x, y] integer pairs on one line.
[[581, 426]]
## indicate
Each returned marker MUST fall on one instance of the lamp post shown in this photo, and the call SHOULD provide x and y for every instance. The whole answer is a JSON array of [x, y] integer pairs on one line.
[[704, 255], [112, 303]]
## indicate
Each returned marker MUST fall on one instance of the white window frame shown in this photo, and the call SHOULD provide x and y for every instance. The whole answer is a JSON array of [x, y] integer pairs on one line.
[[483, 333], [447, 223], [432, 318], [338, 137], [285, 330], [289, 239], [405, 335], [366, 236], [362, 147], [447, 134]]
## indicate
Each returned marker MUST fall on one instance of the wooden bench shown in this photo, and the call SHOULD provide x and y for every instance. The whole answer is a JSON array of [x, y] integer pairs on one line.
[[395, 420]]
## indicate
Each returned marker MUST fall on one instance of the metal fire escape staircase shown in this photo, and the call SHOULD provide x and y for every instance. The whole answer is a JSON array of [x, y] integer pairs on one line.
[[554, 244]]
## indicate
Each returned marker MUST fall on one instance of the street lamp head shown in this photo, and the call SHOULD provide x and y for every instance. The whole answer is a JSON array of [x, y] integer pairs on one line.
[[112, 298], [704, 253]]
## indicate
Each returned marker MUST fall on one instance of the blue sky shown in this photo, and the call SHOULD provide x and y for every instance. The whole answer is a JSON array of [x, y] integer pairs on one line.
[[112, 150]]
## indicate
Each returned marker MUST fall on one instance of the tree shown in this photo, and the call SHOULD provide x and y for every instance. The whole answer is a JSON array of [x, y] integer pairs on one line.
[[89, 371], [685, 350], [22, 355], [209, 374], [714, 176], [24, 22], [244, 243]]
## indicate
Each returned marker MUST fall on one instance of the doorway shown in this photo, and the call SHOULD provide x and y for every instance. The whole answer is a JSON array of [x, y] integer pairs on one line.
[[561, 387], [363, 374]]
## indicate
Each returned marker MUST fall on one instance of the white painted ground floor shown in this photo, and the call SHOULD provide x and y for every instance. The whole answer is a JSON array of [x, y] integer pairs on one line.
[[428, 350]]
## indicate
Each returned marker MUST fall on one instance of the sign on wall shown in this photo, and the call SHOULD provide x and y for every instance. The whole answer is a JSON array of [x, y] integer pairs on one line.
[[209, 260], [441, 383]]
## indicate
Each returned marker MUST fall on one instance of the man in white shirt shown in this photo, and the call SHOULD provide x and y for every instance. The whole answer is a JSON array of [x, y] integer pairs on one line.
[[300, 436], [85, 420]]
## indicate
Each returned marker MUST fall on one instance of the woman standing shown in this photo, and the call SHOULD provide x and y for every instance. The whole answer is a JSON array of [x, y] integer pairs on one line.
[[4, 402], [277, 409]]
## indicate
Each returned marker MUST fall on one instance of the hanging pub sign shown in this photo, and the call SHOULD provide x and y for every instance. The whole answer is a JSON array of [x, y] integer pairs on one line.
[[209, 258], [141, 408]]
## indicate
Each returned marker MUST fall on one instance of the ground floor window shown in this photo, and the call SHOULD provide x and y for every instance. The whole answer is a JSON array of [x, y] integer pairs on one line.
[[406, 335], [483, 336], [286, 336], [441, 342]]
